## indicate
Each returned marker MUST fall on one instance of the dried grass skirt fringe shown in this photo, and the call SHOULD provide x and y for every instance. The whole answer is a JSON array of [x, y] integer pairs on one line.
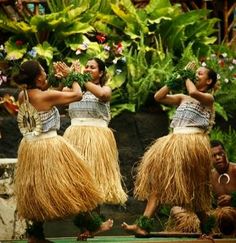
[[177, 168], [183, 221], [226, 219], [188, 222], [99, 148], [52, 181]]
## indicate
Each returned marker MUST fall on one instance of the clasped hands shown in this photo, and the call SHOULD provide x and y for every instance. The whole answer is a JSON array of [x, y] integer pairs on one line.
[[190, 66], [61, 69]]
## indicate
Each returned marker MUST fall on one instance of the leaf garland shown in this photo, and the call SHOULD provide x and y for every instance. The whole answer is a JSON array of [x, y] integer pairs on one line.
[[90, 221], [145, 223], [80, 78], [177, 79]]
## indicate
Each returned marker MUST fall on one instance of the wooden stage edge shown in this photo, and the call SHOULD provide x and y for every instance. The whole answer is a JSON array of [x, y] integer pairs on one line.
[[116, 239]]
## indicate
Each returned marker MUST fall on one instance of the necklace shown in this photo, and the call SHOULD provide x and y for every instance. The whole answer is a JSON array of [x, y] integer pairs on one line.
[[224, 175]]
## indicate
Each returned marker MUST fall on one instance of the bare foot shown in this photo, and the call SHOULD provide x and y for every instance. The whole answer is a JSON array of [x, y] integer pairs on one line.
[[105, 226], [206, 237], [134, 228], [84, 236]]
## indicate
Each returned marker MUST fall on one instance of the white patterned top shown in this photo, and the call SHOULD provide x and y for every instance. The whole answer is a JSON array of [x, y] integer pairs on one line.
[[192, 114], [50, 119], [90, 107]]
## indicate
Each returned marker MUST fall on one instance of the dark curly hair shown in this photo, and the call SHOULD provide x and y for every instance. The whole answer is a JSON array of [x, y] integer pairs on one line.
[[216, 143], [27, 74], [213, 76]]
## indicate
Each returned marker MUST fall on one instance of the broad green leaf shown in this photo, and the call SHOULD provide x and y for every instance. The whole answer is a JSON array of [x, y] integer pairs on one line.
[[220, 110], [77, 42], [110, 20], [77, 28], [157, 4], [164, 13], [45, 51], [17, 27], [117, 79], [14, 52]]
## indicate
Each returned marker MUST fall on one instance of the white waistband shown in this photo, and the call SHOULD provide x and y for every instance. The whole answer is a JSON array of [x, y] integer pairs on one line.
[[185, 130], [88, 122], [49, 134]]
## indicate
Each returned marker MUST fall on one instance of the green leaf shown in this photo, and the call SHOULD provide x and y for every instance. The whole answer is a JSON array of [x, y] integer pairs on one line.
[[118, 109], [157, 4], [220, 110], [228, 138], [76, 28], [14, 52], [45, 51], [117, 79], [108, 20], [16, 27]]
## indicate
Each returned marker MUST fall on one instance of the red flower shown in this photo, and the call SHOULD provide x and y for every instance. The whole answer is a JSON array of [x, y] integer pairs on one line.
[[101, 38], [19, 42], [119, 48], [221, 63]]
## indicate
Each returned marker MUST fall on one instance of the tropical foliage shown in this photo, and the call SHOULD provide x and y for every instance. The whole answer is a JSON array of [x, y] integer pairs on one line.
[[141, 47], [228, 138], [223, 61]]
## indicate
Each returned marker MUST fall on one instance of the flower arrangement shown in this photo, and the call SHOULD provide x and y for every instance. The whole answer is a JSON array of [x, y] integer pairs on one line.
[[224, 63], [225, 66]]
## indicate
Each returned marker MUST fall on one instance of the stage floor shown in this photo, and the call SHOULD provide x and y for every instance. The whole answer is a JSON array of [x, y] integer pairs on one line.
[[116, 239]]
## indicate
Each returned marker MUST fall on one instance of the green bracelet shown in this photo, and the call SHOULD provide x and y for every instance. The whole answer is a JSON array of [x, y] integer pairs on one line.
[[90, 221], [187, 74], [233, 199], [72, 77], [174, 82], [177, 79], [145, 223]]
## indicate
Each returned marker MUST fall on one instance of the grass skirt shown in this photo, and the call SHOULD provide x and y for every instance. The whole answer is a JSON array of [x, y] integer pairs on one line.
[[226, 220], [98, 146], [52, 181], [177, 168], [182, 221]]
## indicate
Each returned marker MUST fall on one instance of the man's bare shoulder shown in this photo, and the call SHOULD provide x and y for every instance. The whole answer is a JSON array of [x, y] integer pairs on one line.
[[214, 173], [232, 164], [233, 168]]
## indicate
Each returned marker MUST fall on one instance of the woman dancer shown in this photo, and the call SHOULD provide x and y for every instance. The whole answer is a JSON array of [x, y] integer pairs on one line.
[[175, 169], [52, 180], [90, 134]]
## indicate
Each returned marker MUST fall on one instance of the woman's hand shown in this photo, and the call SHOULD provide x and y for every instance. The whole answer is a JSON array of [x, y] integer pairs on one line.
[[76, 66], [191, 65], [61, 70]]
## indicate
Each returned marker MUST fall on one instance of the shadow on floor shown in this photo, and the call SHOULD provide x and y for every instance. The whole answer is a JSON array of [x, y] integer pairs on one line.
[[129, 213]]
